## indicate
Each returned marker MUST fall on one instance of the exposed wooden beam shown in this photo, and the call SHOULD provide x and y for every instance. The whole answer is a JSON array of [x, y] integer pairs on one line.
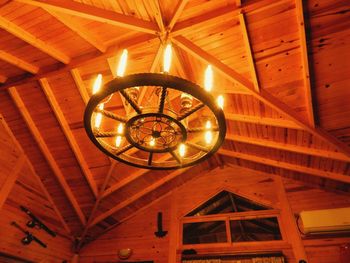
[[20, 63], [46, 153], [249, 52], [155, 8], [9, 182], [282, 123], [96, 14], [305, 61], [285, 165], [3, 79], [289, 147], [74, 25], [180, 7], [137, 196], [69, 135], [33, 40], [80, 85], [263, 95]]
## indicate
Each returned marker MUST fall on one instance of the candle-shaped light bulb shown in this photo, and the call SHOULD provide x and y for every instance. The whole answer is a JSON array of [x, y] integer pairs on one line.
[[97, 84], [98, 118], [208, 136], [122, 63], [167, 58], [182, 150], [120, 128], [152, 142], [220, 101], [118, 139], [208, 79]]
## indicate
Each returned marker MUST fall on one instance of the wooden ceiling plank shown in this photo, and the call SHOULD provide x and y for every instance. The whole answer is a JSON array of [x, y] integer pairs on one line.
[[11, 59], [139, 195], [32, 40], [96, 14], [180, 7], [46, 152], [285, 165], [38, 179], [69, 135], [263, 121], [263, 95], [249, 52], [289, 147], [11, 179], [3, 78], [305, 62], [74, 25]]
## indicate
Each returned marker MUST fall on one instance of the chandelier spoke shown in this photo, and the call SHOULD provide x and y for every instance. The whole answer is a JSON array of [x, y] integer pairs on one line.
[[123, 150], [150, 157], [100, 134], [177, 158], [197, 147], [111, 115], [162, 99], [201, 129], [131, 101], [190, 111]]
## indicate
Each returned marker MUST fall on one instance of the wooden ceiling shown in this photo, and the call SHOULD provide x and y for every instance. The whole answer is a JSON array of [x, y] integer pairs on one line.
[[283, 67]]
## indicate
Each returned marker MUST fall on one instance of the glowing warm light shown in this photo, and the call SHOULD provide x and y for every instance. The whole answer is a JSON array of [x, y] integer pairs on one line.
[[208, 134], [118, 141], [167, 58], [97, 84], [98, 118], [208, 79], [220, 101], [152, 142], [120, 128], [182, 150], [122, 63]]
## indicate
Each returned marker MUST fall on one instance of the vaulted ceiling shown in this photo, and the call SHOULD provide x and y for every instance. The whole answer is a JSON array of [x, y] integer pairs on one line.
[[282, 66]]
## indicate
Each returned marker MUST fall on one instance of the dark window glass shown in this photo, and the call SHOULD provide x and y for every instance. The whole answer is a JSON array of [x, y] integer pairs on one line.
[[262, 229], [204, 232]]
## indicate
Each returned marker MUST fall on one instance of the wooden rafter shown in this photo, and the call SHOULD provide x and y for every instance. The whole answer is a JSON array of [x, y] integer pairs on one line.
[[155, 8], [74, 25], [46, 152], [80, 85], [305, 61], [69, 135], [33, 40], [249, 52], [96, 14], [263, 95], [137, 196], [289, 147], [180, 7], [20, 63], [285, 165]]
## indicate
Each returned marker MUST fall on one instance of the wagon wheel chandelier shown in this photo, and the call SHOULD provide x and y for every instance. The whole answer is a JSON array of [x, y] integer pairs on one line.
[[176, 124]]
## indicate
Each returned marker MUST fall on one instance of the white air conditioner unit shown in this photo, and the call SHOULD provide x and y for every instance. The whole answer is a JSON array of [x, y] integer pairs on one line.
[[325, 221]]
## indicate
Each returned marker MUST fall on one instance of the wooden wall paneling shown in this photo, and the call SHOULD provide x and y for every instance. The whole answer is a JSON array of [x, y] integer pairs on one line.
[[31, 125], [29, 67], [32, 40], [263, 96], [75, 26], [90, 12], [70, 138]]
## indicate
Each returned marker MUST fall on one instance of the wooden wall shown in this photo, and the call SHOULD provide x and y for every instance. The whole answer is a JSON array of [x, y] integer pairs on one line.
[[138, 232], [19, 185]]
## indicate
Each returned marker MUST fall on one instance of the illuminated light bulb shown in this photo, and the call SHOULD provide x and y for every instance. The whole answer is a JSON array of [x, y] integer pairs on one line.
[[152, 142], [182, 150], [167, 58], [220, 101], [208, 136], [98, 118], [118, 141], [208, 79], [120, 128], [122, 63], [97, 84]]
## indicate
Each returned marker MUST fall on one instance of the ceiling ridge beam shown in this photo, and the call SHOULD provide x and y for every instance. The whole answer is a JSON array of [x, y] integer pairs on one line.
[[287, 166], [47, 154], [138, 195], [179, 9], [22, 34], [96, 14], [20, 63], [263, 95], [289, 147], [74, 25], [44, 83], [38, 179], [305, 61]]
